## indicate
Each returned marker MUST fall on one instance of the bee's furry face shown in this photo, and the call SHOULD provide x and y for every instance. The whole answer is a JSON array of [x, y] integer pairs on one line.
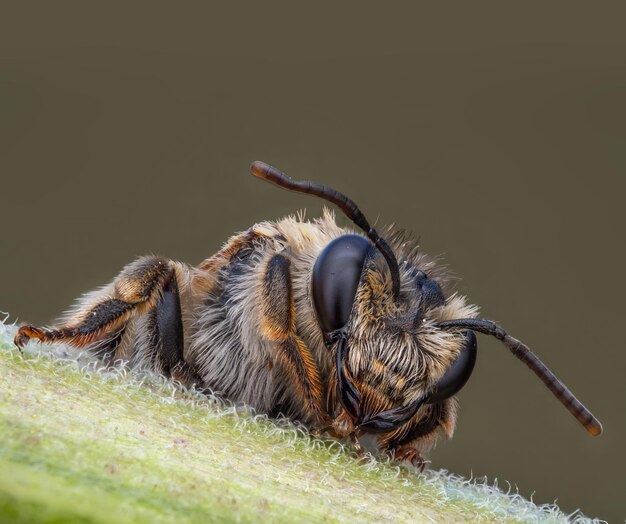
[[391, 357], [401, 352]]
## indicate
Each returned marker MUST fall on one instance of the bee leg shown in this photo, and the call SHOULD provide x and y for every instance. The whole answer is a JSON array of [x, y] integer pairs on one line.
[[278, 325], [103, 320], [405, 443], [136, 318], [411, 455], [103, 315]]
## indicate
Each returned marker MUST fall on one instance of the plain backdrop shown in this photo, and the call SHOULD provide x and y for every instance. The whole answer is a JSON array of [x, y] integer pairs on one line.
[[495, 132]]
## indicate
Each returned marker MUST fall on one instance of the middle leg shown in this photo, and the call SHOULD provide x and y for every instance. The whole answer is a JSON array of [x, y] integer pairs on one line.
[[278, 325]]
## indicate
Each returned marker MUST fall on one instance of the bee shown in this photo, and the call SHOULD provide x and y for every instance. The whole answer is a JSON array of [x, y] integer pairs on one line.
[[353, 334]]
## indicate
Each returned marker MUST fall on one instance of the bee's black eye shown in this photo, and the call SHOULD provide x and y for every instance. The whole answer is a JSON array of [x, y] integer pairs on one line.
[[335, 279], [458, 373]]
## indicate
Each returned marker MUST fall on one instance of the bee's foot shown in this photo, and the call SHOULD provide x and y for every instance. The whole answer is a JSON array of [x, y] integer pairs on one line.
[[411, 456], [359, 451], [27, 332], [318, 431]]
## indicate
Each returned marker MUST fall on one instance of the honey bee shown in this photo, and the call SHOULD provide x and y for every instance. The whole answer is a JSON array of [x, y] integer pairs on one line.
[[351, 333]]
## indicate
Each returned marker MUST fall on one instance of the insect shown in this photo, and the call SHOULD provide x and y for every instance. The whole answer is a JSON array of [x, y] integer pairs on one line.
[[351, 333]]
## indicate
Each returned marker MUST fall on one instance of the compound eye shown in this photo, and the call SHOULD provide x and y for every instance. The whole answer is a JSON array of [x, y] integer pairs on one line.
[[458, 373], [335, 279]]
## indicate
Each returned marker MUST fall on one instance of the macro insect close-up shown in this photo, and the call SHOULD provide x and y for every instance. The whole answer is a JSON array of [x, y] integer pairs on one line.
[[354, 333]]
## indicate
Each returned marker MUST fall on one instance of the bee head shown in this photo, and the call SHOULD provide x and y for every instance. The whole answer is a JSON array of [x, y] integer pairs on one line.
[[398, 341], [390, 355]]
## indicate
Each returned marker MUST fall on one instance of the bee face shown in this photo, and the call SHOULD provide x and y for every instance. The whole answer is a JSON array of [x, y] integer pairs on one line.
[[395, 355], [403, 335]]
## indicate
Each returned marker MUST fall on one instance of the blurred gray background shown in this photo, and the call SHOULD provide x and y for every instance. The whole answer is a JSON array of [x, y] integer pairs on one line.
[[496, 134]]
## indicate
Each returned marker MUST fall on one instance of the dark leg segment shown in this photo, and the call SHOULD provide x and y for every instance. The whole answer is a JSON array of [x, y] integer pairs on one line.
[[168, 336], [168, 327], [279, 326]]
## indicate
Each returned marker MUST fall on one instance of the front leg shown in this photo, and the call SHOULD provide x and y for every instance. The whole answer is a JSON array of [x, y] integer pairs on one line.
[[407, 442], [278, 325]]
